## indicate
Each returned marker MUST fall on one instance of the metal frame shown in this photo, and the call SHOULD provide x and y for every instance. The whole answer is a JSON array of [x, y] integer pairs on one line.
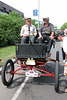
[[36, 67]]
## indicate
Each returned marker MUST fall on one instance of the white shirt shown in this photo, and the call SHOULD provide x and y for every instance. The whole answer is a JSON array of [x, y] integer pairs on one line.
[[25, 31], [65, 45]]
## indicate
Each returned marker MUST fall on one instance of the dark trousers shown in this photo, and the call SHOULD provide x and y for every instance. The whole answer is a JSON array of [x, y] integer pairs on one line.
[[50, 42], [26, 39]]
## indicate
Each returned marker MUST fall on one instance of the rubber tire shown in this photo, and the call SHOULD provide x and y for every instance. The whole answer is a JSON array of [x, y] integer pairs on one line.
[[3, 72], [57, 56], [56, 76]]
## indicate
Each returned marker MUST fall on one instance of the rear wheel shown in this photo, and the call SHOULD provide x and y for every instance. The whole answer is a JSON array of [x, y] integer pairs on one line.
[[57, 56], [56, 78], [6, 74]]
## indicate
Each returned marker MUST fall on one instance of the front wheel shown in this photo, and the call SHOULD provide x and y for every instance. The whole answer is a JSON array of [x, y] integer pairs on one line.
[[6, 74]]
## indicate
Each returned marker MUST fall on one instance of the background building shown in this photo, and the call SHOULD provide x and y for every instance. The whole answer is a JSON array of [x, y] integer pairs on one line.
[[4, 8]]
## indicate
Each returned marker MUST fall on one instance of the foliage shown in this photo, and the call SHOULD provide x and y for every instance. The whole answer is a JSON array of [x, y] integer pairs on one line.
[[10, 26], [33, 22], [64, 26]]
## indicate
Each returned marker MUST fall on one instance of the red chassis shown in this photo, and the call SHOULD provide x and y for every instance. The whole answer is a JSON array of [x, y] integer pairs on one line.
[[32, 70], [35, 67]]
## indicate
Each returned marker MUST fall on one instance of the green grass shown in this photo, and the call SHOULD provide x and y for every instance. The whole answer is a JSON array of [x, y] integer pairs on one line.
[[6, 53]]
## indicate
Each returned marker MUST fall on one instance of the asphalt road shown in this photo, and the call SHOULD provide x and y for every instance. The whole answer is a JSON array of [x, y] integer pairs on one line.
[[41, 88]]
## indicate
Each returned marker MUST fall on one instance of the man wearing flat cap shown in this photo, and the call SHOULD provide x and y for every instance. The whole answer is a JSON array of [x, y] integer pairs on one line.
[[28, 30], [63, 38], [46, 32]]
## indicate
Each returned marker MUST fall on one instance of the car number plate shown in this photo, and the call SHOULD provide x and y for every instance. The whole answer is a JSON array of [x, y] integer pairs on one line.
[[31, 73]]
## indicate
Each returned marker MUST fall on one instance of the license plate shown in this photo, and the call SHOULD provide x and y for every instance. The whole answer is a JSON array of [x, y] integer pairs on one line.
[[31, 73]]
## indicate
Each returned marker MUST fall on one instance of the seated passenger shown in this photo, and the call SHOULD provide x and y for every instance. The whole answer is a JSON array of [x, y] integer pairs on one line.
[[28, 31], [46, 32]]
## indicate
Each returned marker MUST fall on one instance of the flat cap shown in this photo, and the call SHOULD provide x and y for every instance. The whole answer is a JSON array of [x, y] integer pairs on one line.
[[28, 19], [46, 18]]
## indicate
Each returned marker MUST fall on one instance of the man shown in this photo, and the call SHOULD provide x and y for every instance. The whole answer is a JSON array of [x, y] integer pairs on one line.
[[61, 32], [28, 31], [46, 32], [63, 38]]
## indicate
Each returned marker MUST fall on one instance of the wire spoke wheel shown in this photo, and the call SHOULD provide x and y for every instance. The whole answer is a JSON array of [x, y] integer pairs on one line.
[[6, 74]]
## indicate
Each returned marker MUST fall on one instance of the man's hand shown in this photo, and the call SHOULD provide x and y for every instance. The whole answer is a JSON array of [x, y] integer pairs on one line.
[[51, 37], [26, 35], [40, 37]]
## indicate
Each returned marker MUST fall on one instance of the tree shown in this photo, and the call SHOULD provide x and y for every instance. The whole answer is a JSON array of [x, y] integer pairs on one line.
[[33, 22], [10, 26], [64, 26], [3, 28]]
